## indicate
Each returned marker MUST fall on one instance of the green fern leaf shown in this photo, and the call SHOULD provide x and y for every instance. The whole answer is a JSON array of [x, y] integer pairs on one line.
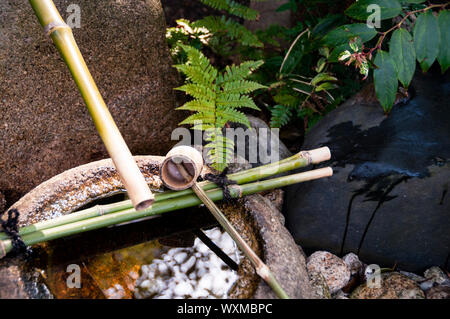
[[230, 28], [232, 115], [206, 118], [199, 92], [236, 73], [233, 7], [241, 87], [281, 115], [236, 101], [198, 106]]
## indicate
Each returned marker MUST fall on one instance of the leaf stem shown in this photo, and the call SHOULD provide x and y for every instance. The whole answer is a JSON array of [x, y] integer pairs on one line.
[[398, 25]]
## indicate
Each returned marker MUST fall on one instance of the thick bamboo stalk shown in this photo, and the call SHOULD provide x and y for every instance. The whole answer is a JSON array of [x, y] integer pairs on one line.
[[161, 207], [300, 159], [62, 36]]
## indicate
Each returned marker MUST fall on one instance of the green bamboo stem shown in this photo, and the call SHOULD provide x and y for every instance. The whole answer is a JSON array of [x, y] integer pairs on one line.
[[301, 159], [161, 207], [62, 36]]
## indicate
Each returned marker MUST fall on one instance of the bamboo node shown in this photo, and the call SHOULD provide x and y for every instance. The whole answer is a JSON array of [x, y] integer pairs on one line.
[[236, 187], [53, 26], [307, 155], [100, 210]]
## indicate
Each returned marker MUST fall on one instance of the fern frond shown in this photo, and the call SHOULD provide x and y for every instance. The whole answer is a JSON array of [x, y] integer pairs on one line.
[[281, 115], [287, 99], [240, 72], [203, 117], [228, 114], [241, 87], [236, 101], [232, 29], [220, 150], [198, 69], [198, 106], [199, 92], [233, 7]]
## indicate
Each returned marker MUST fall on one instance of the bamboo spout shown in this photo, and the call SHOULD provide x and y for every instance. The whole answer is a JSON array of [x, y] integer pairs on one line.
[[62, 36]]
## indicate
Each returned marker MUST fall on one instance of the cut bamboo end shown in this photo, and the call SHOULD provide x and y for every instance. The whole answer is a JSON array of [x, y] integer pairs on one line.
[[319, 155], [190, 159]]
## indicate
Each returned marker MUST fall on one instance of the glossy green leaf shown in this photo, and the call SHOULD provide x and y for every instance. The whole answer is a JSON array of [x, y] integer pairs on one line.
[[343, 34], [385, 80], [444, 47], [360, 9], [413, 1], [426, 39], [401, 50], [326, 24]]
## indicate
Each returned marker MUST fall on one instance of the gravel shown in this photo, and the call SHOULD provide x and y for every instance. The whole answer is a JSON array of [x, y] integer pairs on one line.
[[194, 272]]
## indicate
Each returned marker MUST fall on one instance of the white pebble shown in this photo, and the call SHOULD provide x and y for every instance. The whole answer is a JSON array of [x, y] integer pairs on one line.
[[188, 264], [183, 289], [180, 257]]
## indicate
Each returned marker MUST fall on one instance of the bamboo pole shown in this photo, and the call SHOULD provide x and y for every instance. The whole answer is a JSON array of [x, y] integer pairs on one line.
[[161, 207], [301, 159], [62, 36]]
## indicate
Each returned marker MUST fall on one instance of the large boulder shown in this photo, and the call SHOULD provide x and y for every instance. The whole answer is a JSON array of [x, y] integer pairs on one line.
[[388, 199], [45, 126]]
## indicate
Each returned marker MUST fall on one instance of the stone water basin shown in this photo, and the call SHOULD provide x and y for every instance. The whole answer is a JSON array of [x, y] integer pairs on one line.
[[155, 258]]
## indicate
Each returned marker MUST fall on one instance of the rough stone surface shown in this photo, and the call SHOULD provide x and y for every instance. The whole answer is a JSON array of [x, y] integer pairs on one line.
[[332, 268], [439, 292], [393, 286], [353, 263], [437, 276], [280, 251], [388, 199], [319, 285], [45, 125]]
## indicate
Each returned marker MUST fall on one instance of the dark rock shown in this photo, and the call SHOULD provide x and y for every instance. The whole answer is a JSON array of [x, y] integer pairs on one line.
[[45, 125], [388, 199]]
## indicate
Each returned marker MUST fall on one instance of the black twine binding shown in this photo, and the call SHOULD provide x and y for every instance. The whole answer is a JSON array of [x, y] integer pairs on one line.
[[10, 227], [222, 181]]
